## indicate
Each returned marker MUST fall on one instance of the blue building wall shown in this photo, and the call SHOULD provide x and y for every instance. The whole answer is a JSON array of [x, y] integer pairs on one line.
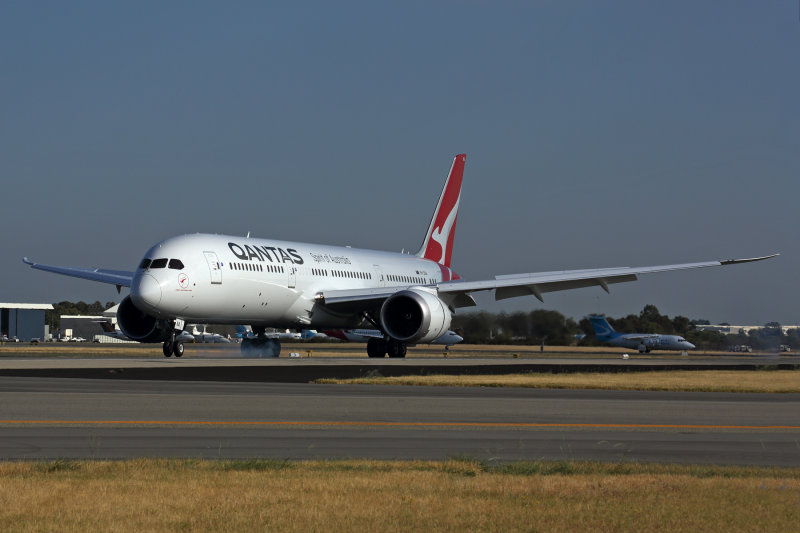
[[30, 324], [25, 324]]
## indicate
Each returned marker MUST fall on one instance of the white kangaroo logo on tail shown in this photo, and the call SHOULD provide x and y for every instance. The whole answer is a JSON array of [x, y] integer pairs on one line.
[[442, 227], [440, 234]]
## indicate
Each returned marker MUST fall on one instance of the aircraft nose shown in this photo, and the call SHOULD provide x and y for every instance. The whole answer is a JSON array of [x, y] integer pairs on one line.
[[147, 291], [689, 345]]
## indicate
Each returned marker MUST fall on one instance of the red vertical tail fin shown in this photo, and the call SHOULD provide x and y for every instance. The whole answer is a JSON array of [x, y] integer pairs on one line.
[[438, 243]]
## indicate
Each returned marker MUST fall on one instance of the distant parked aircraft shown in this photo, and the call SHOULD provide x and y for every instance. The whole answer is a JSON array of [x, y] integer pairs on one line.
[[115, 333], [203, 336], [644, 342]]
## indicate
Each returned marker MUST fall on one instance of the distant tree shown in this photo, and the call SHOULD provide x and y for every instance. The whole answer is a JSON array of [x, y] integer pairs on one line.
[[708, 340], [53, 317], [516, 325], [682, 325], [766, 338], [516, 328], [551, 327], [477, 328], [95, 309], [650, 314]]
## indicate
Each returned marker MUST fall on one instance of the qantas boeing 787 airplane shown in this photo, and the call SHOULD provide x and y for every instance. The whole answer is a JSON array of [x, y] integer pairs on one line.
[[222, 279]]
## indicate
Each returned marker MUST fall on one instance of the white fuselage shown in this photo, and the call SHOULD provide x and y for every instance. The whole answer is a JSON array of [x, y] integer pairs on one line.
[[236, 280], [653, 342]]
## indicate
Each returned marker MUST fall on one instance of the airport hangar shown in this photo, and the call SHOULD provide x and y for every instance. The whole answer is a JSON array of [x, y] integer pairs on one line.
[[23, 321]]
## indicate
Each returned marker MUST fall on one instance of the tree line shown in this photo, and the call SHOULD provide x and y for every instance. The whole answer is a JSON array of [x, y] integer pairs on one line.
[[549, 327], [552, 328], [53, 318]]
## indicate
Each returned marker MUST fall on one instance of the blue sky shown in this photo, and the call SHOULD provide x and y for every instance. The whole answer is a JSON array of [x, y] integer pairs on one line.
[[597, 134]]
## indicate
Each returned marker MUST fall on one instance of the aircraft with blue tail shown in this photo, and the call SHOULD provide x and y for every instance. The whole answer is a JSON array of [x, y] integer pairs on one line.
[[644, 342]]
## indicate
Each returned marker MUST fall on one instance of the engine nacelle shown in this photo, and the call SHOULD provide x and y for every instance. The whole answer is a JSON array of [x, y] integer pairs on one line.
[[415, 315], [139, 326]]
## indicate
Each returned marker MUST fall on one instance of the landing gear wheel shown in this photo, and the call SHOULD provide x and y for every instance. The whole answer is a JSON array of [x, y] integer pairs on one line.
[[376, 348], [177, 349], [167, 348], [396, 348]]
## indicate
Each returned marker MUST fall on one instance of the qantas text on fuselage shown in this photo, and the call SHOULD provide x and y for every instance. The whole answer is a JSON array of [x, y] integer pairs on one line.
[[265, 253]]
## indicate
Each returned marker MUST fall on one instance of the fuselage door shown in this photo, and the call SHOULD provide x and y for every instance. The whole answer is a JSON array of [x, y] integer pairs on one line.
[[292, 282], [214, 267], [380, 279]]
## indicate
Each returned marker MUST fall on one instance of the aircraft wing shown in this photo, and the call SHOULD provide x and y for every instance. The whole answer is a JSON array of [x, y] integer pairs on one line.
[[510, 286], [120, 278], [458, 293]]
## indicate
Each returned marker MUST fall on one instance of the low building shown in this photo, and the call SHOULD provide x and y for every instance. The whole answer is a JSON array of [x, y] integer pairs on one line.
[[90, 328], [23, 322], [81, 326], [727, 329]]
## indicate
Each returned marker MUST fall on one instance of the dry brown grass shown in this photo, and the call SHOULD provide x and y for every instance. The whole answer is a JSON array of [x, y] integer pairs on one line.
[[80, 350], [456, 495], [783, 381]]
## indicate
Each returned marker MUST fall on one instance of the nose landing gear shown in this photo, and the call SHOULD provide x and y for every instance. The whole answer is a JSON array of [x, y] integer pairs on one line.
[[172, 346]]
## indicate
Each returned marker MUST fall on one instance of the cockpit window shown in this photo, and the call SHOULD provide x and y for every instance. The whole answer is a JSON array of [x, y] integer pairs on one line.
[[175, 264], [145, 263], [159, 263]]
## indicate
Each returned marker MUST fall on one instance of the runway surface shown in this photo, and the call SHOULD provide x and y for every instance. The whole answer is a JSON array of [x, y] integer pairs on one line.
[[206, 365], [93, 418]]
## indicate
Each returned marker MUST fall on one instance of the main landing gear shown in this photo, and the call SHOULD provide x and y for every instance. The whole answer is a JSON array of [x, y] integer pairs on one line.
[[382, 347], [260, 345]]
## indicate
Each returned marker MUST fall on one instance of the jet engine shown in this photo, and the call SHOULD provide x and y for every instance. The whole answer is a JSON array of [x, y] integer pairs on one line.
[[415, 315], [140, 326]]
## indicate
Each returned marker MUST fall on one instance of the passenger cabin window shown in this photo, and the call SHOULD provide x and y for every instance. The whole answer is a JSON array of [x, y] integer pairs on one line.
[[159, 263], [175, 264], [145, 263]]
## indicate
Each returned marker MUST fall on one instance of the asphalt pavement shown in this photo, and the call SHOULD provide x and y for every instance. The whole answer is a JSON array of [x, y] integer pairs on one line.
[[48, 418]]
